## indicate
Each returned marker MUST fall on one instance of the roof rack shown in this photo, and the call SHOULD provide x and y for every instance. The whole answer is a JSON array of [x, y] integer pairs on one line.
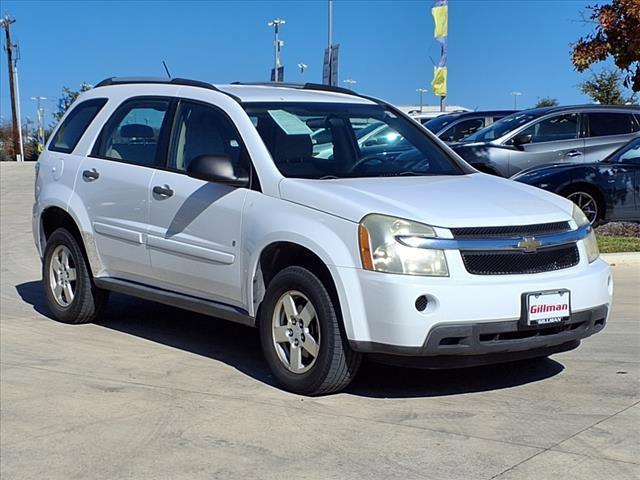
[[170, 81], [301, 86], [165, 81]]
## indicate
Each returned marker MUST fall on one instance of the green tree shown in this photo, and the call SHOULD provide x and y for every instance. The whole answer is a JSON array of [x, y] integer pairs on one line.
[[606, 88], [546, 102], [616, 35], [66, 99]]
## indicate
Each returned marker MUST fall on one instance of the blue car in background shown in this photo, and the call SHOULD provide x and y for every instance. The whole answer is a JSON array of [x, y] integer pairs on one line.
[[605, 190]]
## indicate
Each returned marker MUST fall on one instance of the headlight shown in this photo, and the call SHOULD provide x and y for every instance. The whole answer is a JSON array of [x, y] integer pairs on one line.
[[590, 242], [381, 252]]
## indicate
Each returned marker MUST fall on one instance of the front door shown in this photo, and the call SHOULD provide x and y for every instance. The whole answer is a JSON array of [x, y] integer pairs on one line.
[[114, 185], [553, 140], [194, 229]]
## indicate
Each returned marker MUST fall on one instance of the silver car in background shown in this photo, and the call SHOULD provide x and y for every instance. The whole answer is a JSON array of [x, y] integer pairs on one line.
[[540, 136]]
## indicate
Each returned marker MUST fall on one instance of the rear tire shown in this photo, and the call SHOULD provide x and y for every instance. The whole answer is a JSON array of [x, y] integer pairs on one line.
[[296, 294], [71, 295]]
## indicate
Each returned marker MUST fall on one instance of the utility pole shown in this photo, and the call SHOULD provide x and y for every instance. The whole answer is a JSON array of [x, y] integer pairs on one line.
[[515, 99], [421, 91], [330, 26], [278, 46], [40, 117], [15, 112]]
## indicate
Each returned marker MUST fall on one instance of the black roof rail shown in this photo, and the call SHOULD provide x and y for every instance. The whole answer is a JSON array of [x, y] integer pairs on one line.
[[170, 81], [301, 86], [165, 81]]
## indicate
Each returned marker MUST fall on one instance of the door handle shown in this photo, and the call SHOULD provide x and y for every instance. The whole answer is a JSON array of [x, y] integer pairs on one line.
[[574, 153], [164, 191], [90, 175]]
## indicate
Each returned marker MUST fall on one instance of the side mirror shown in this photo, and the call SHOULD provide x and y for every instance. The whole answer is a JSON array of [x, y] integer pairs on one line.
[[522, 139], [217, 168]]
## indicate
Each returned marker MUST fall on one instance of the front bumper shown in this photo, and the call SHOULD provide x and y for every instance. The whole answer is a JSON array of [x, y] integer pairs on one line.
[[380, 311], [468, 344]]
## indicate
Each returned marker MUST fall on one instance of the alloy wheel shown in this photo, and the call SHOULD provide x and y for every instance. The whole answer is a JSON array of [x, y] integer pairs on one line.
[[62, 276], [296, 331], [587, 204]]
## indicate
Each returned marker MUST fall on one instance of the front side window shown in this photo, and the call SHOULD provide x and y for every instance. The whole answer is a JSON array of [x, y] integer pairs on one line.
[[133, 132], [357, 141], [74, 126], [462, 130], [610, 123], [203, 130], [552, 129], [502, 127], [630, 153]]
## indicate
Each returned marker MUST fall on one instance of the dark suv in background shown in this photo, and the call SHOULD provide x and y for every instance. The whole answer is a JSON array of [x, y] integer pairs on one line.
[[456, 126], [539, 136]]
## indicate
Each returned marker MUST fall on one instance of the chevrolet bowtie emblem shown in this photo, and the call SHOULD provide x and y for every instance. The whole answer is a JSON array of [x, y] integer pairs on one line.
[[529, 244]]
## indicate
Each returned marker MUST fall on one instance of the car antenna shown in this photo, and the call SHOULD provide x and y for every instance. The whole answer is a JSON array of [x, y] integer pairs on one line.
[[166, 69]]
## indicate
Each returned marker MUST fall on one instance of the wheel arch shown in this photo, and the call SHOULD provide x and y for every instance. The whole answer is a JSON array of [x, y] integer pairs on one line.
[[53, 217], [589, 187], [280, 254]]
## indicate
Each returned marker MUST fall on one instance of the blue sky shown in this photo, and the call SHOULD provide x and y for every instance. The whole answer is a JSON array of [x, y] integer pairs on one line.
[[495, 47]]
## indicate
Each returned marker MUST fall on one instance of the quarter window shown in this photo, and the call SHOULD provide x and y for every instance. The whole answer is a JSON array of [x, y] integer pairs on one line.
[[610, 123], [71, 130], [133, 132], [203, 130], [560, 127]]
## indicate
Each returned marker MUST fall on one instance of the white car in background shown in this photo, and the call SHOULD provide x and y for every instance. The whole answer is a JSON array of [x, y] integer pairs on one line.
[[210, 198]]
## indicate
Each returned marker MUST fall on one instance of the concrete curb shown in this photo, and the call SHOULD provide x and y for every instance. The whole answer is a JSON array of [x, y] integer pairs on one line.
[[624, 258]]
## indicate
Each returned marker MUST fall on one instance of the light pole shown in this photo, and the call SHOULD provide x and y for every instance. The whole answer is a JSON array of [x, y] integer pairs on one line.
[[421, 91], [350, 82], [277, 44], [40, 117], [515, 99], [302, 67]]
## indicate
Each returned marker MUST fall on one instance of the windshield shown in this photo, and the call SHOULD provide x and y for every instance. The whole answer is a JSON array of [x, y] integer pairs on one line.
[[501, 127], [338, 140], [629, 153], [438, 123]]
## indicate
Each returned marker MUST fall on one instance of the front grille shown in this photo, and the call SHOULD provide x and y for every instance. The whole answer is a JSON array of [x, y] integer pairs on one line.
[[515, 262], [516, 231]]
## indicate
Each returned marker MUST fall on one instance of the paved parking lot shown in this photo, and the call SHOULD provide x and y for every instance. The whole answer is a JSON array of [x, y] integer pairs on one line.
[[154, 392]]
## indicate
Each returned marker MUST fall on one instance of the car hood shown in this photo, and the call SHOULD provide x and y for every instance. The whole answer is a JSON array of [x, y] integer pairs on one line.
[[446, 201]]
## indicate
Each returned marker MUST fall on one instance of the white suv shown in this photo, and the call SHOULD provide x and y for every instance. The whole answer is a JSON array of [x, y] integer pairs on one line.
[[210, 198]]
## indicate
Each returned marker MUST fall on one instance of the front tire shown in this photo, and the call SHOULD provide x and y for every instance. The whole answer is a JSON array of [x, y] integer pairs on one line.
[[588, 200], [71, 295], [301, 336]]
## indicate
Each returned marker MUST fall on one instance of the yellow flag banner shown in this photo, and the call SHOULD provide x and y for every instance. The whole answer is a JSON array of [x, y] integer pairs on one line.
[[441, 20], [439, 83]]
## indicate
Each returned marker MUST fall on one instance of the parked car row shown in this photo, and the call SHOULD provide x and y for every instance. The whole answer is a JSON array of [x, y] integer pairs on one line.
[[588, 154]]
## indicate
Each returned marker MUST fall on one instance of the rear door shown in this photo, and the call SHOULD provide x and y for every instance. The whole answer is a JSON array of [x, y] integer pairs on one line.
[[554, 139], [194, 228], [607, 131], [114, 184]]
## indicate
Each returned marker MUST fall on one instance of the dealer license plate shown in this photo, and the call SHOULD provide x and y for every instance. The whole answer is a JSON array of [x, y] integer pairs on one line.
[[547, 308]]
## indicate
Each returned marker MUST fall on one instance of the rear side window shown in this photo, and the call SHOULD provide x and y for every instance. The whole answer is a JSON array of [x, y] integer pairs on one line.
[[71, 130], [610, 123], [133, 132]]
